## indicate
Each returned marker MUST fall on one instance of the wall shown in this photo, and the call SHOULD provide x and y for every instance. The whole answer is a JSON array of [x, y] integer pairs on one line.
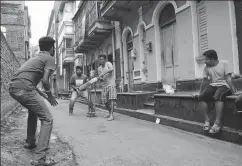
[[219, 31], [184, 41], [184, 44], [9, 64], [12, 18], [152, 68], [238, 17]]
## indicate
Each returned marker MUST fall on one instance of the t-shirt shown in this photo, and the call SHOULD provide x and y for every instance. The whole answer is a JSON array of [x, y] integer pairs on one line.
[[108, 79], [78, 80], [29, 75], [217, 73]]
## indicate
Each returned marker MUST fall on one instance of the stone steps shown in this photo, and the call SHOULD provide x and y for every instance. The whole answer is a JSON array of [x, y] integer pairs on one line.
[[184, 106]]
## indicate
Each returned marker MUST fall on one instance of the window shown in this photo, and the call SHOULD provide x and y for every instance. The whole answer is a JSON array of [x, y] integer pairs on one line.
[[202, 26], [68, 43], [167, 15], [129, 41]]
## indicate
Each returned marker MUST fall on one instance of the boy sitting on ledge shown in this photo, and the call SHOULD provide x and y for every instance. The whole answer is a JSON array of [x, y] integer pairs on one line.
[[221, 86]]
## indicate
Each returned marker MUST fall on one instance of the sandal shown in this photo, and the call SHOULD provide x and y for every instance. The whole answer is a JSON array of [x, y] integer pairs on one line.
[[48, 162], [215, 129], [206, 126]]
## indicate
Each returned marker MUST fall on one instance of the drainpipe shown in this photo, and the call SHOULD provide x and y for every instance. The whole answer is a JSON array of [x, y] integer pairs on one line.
[[56, 53], [121, 52], [114, 48]]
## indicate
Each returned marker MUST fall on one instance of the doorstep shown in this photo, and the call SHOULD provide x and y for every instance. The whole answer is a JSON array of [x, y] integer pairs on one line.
[[227, 134]]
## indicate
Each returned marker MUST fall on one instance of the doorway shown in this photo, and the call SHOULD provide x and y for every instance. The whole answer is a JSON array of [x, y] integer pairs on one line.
[[110, 58], [129, 74], [167, 24], [110, 53]]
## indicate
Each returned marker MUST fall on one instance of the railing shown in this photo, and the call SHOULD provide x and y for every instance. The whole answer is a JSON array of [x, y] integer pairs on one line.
[[105, 2], [69, 52], [79, 35], [92, 15]]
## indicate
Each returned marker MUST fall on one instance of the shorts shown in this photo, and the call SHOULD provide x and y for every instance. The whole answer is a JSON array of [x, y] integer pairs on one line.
[[211, 93], [238, 103], [108, 93]]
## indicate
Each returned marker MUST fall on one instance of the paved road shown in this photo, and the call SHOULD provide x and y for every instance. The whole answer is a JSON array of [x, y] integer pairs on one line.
[[132, 142]]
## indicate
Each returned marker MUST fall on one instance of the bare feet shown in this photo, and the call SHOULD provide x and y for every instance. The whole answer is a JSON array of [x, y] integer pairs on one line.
[[110, 118], [107, 116]]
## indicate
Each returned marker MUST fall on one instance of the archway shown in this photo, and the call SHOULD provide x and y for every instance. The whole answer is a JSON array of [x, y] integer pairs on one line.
[[143, 53], [167, 25], [127, 39], [158, 48], [110, 53]]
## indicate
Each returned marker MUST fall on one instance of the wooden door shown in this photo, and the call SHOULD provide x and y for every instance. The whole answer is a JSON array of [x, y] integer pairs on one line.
[[169, 54], [118, 68], [130, 70]]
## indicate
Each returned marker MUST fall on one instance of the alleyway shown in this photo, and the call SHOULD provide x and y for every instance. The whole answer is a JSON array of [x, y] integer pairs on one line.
[[132, 142]]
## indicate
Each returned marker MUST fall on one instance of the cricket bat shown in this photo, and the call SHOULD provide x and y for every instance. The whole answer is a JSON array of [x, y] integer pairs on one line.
[[84, 86]]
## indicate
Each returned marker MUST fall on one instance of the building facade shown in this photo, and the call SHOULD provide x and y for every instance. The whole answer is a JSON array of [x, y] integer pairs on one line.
[[169, 37], [150, 43], [93, 35], [61, 29], [27, 32], [15, 22]]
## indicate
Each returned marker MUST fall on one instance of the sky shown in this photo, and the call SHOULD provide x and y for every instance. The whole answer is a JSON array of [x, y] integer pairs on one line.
[[39, 12]]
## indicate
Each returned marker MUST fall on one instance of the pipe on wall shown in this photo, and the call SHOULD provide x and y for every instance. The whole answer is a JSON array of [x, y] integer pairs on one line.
[[121, 52], [114, 48]]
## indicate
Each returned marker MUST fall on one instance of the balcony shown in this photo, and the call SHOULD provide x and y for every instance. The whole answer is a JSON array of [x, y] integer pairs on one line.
[[68, 56], [65, 31], [115, 9], [92, 31]]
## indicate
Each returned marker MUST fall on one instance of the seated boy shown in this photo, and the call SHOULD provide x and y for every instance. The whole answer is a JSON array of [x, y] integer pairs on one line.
[[218, 72]]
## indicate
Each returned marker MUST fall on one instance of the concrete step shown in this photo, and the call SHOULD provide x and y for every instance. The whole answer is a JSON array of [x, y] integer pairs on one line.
[[149, 105], [184, 106], [192, 85], [146, 111]]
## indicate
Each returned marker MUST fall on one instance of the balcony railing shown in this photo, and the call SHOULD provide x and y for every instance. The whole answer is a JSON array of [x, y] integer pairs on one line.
[[92, 15], [105, 2], [69, 52]]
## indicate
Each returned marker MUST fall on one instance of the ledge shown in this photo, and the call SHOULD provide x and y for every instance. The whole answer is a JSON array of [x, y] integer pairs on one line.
[[187, 95], [135, 93]]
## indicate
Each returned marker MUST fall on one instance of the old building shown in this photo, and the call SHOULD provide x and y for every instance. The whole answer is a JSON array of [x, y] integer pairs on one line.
[[27, 32], [16, 22], [149, 42], [61, 29], [93, 35], [163, 41]]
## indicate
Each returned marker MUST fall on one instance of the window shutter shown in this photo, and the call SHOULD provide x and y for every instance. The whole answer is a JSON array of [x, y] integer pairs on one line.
[[238, 15], [202, 27]]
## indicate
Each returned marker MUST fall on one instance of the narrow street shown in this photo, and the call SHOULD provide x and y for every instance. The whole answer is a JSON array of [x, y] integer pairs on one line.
[[164, 58], [132, 142]]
